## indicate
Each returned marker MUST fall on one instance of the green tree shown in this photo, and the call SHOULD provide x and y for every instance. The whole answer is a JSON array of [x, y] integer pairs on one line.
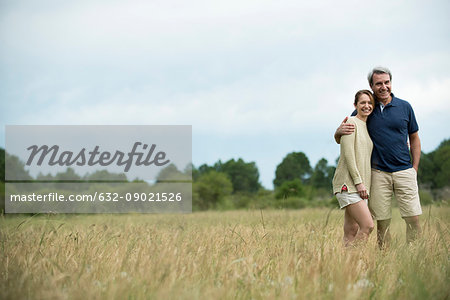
[[67, 180], [15, 167], [68, 175], [244, 176], [189, 170], [171, 173], [427, 170], [2, 164], [441, 160], [291, 188], [294, 165], [103, 175], [203, 169], [210, 189], [322, 175], [2, 180], [434, 168], [42, 177]]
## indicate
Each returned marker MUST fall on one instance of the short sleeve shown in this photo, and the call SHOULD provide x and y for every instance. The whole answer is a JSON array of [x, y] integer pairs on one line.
[[412, 123]]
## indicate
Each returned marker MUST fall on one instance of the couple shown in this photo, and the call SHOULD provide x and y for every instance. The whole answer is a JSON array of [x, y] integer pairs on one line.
[[375, 160]]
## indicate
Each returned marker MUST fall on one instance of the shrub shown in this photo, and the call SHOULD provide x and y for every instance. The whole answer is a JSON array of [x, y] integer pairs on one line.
[[292, 188], [426, 198]]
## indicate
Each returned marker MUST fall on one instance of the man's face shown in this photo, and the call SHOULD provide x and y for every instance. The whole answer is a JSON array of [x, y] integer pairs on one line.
[[381, 86]]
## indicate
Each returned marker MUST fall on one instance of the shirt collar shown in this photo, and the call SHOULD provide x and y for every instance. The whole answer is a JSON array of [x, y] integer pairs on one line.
[[392, 103]]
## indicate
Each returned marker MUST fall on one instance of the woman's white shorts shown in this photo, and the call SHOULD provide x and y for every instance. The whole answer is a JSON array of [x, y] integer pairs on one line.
[[346, 198]]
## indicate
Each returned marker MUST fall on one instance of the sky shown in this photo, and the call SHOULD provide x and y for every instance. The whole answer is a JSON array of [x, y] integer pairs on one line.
[[255, 79]]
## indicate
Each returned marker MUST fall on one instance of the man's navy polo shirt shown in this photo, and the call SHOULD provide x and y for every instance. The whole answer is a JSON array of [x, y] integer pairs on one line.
[[389, 130]]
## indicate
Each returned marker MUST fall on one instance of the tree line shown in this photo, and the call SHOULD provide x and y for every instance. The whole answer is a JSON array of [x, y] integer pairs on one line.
[[235, 183]]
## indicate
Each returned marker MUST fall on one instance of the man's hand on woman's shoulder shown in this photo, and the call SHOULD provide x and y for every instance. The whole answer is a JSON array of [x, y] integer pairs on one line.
[[343, 129]]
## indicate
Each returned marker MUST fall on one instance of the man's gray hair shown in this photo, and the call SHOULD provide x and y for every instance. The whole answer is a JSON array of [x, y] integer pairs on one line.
[[378, 70]]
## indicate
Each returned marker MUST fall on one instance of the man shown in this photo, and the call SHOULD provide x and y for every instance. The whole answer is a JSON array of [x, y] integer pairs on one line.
[[390, 124]]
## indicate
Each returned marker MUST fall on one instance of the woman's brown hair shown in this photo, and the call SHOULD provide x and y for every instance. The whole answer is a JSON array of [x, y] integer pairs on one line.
[[364, 92]]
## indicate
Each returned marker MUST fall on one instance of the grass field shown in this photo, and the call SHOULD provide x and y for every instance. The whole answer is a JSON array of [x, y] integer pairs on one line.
[[293, 254]]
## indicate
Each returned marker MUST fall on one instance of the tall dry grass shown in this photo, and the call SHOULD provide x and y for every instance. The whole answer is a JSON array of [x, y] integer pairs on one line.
[[227, 255]]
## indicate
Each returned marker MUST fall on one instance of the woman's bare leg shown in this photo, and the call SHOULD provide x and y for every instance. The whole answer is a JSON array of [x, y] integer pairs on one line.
[[351, 228], [359, 213]]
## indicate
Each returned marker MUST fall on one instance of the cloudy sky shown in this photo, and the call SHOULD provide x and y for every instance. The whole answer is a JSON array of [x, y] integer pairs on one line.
[[255, 79]]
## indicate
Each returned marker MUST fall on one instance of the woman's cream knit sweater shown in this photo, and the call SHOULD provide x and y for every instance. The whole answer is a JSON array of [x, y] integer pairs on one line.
[[354, 163]]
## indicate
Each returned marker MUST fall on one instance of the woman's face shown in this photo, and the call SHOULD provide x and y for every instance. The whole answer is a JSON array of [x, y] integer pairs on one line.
[[364, 107]]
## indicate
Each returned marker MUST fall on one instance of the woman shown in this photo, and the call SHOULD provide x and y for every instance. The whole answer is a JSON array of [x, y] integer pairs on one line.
[[351, 182]]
